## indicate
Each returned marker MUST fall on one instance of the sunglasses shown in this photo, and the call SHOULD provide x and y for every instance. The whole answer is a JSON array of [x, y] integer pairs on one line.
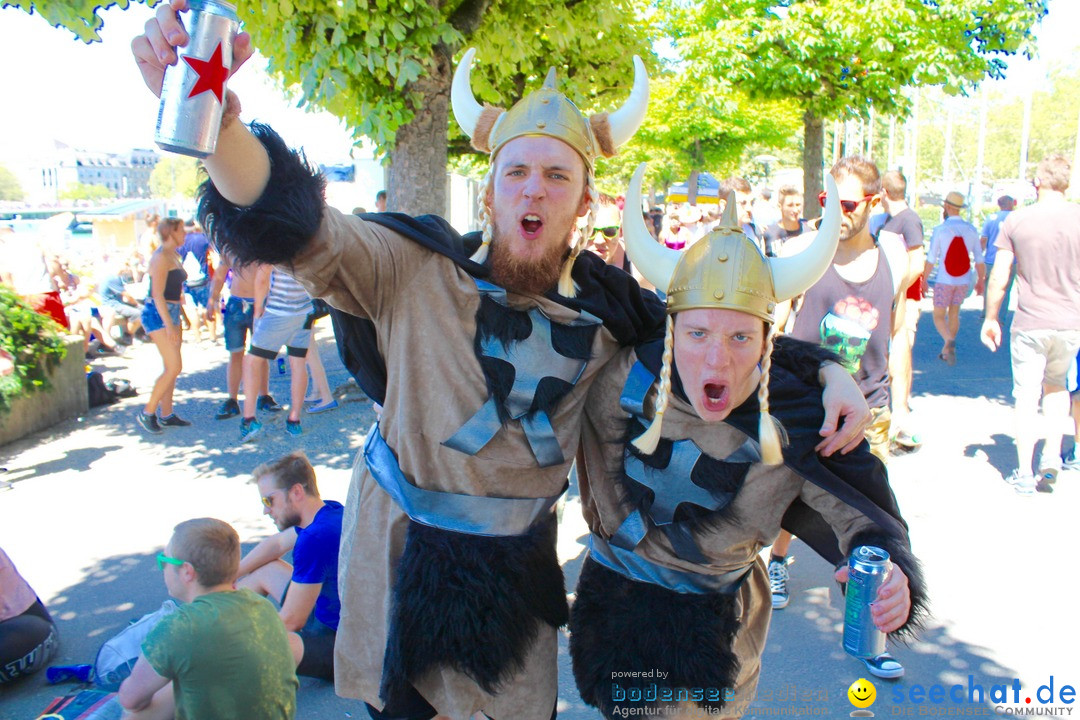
[[268, 500], [848, 206], [162, 559], [608, 232]]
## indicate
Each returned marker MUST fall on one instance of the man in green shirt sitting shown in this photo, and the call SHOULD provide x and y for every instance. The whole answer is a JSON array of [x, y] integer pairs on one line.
[[225, 653]]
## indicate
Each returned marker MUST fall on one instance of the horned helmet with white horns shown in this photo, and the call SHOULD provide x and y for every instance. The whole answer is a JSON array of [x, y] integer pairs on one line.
[[726, 270], [549, 113]]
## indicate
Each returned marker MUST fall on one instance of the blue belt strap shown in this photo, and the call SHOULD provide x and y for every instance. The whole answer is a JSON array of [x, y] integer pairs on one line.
[[470, 514], [635, 567]]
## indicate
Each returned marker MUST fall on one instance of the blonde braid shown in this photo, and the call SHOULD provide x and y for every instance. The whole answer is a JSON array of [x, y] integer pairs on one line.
[[771, 435], [566, 280], [486, 226], [648, 440]]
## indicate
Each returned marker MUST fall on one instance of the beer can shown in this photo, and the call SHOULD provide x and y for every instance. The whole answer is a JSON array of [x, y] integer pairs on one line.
[[867, 569], [193, 92]]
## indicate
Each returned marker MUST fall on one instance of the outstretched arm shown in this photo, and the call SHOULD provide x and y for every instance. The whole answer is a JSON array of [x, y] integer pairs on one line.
[[240, 166]]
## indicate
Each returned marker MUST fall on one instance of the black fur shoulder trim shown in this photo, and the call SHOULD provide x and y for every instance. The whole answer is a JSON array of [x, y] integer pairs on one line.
[[619, 626], [471, 603], [802, 359], [281, 222], [901, 555]]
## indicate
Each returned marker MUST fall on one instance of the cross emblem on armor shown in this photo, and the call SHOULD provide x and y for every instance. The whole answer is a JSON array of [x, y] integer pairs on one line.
[[532, 358], [671, 485]]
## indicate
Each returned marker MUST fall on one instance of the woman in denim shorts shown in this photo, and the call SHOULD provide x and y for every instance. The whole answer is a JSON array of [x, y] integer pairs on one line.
[[161, 320]]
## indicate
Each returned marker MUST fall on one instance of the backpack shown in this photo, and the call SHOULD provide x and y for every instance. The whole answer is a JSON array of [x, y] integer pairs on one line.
[[96, 391], [956, 262], [117, 656]]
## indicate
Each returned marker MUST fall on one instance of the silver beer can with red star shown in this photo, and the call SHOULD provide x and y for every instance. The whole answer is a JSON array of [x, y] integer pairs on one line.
[[193, 93]]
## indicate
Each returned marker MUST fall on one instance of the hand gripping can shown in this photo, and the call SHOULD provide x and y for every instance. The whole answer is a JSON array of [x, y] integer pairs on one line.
[[867, 569], [193, 93]]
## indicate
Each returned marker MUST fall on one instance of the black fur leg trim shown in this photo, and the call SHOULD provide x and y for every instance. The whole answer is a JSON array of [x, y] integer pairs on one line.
[[281, 222], [900, 554], [471, 603], [802, 359], [618, 625]]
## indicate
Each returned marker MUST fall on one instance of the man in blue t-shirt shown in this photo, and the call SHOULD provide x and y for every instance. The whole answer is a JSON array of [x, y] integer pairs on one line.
[[989, 234], [307, 590]]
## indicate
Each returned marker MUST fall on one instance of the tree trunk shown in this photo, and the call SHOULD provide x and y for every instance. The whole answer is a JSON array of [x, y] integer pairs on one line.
[[691, 187], [813, 160], [416, 178]]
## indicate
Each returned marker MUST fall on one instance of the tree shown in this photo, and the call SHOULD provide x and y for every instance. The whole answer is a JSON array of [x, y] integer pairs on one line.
[[175, 176], [842, 58], [79, 191], [385, 66], [10, 188]]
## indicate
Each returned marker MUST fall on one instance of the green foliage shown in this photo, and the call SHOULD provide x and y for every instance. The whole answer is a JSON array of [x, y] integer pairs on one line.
[[838, 59], [175, 176], [370, 62], [78, 16], [10, 189], [35, 343], [83, 191]]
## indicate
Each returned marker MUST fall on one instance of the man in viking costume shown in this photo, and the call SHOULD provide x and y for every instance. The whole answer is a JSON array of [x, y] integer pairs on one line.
[[484, 348], [697, 451]]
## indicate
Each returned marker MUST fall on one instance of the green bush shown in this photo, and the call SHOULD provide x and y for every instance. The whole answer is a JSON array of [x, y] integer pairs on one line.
[[34, 341]]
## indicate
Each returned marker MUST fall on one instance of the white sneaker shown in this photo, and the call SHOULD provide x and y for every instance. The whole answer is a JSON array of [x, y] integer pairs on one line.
[[778, 579], [1022, 484]]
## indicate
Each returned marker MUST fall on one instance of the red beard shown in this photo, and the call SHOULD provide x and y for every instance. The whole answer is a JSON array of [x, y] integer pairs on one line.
[[533, 277]]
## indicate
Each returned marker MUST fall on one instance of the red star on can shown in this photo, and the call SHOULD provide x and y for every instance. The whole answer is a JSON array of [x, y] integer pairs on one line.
[[212, 74]]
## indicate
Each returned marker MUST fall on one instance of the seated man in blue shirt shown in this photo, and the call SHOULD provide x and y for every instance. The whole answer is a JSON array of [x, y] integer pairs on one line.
[[310, 528]]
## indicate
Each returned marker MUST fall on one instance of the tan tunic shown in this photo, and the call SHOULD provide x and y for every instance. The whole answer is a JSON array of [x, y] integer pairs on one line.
[[424, 307], [758, 508]]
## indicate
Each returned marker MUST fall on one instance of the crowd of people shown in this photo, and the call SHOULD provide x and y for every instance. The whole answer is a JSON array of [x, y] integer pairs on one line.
[[724, 384]]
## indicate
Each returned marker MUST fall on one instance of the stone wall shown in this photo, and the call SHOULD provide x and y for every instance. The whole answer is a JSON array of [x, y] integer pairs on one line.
[[66, 399]]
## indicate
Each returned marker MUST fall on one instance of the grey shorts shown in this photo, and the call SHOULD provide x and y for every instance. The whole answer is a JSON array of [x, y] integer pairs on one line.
[[271, 332], [1041, 357]]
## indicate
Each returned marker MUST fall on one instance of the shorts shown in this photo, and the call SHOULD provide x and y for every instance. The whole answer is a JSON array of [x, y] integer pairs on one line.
[[878, 432], [50, 305], [1041, 357], [914, 291], [272, 331], [200, 294], [151, 318], [318, 660], [27, 643], [124, 310], [237, 319], [946, 295]]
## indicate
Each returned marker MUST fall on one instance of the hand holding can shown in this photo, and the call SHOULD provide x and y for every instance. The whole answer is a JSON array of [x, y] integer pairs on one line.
[[193, 90], [867, 569]]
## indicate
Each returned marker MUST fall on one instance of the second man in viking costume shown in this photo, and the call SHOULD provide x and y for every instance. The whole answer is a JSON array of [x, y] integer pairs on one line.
[[451, 588], [688, 475]]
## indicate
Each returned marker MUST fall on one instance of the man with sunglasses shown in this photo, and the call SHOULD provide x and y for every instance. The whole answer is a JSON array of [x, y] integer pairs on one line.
[[850, 311], [306, 590], [184, 670]]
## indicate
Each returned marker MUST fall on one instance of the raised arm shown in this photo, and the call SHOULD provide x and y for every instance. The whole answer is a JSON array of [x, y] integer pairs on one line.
[[240, 166]]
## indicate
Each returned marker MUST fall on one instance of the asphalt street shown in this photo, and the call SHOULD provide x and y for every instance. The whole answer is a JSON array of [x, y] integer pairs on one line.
[[94, 499]]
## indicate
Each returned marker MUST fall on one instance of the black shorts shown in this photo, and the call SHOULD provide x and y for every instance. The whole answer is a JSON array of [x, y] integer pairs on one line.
[[318, 661]]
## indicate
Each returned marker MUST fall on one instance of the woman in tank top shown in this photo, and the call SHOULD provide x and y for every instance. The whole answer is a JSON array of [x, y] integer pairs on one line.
[[161, 319]]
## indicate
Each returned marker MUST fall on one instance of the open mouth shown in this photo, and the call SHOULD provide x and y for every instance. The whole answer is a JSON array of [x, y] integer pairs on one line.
[[530, 225], [716, 397]]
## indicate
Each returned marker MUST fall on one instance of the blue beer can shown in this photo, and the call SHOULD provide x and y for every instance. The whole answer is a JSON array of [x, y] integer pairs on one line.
[[867, 570], [193, 92]]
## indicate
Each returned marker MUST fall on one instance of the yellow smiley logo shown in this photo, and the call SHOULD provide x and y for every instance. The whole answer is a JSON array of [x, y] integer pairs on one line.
[[861, 693]]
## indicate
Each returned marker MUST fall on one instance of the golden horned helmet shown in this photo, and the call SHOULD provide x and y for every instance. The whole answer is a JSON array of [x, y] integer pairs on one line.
[[726, 270], [548, 112]]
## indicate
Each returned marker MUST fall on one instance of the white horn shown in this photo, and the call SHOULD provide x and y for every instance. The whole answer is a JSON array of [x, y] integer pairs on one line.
[[795, 275], [653, 260], [626, 120], [466, 109]]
